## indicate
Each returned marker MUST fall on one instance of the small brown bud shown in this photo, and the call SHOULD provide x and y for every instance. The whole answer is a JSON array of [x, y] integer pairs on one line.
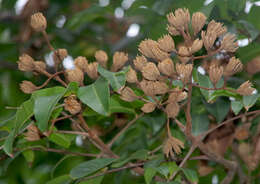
[[184, 72], [198, 21], [127, 94], [152, 88], [234, 65], [148, 107], [183, 51], [92, 70], [101, 57], [172, 109], [229, 43], [159, 54], [131, 76], [119, 60], [160, 88], [62, 54], [39, 66], [26, 63], [180, 19], [172, 30], [75, 75], [140, 62], [208, 40], [245, 89], [171, 146], [166, 43], [196, 46], [38, 22], [216, 27], [81, 62], [166, 67], [33, 133], [150, 71], [72, 105], [215, 73], [177, 95], [27, 87]]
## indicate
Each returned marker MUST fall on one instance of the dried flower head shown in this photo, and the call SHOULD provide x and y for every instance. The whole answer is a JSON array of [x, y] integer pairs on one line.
[[139, 62], [196, 46], [180, 19], [92, 70], [166, 67], [26, 63], [198, 21], [28, 87], [39, 66], [127, 94], [148, 107], [119, 60], [172, 30], [171, 146], [184, 72], [215, 73], [81, 62], [33, 133], [150, 71], [234, 65], [184, 60], [101, 57], [172, 109], [38, 22], [75, 75], [131, 76], [208, 40], [152, 88], [72, 105], [183, 51], [62, 54], [217, 28], [245, 89], [229, 43], [177, 95], [166, 43]]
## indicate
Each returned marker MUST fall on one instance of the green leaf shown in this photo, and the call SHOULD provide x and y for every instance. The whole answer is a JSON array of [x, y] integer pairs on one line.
[[116, 79], [29, 156], [236, 106], [191, 175], [60, 139], [249, 101], [223, 92], [116, 106], [167, 169], [72, 88], [149, 173], [96, 96], [90, 167], [200, 123], [64, 179], [96, 180], [44, 103], [8, 145]]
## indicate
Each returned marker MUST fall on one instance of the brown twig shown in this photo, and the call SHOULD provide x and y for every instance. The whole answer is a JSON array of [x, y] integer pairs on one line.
[[222, 88], [49, 79]]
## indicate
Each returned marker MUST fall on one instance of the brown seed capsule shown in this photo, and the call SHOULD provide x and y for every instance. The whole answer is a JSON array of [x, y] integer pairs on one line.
[[159, 55], [131, 76], [75, 75], [234, 65], [183, 51], [38, 22], [217, 28], [26, 63], [81, 62], [101, 57], [33, 133], [172, 30], [40, 66], [172, 110], [27, 87], [184, 60], [198, 21], [72, 105], [119, 60], [127, 94], [145, 47], [166, 43], [148, 107], [152, 88], [196, 46], [245, 89], [184, 72], [62, 54], [166, 67], [160, 88], [215, 73], [92, 70], [229, 43], [150, 71], [171, 146], [139, 62], [208, 40], [180, 19], [177, 95]]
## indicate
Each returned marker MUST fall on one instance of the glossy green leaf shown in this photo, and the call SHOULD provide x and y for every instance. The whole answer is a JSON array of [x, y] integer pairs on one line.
[[8, 145], [191, 175], [90, 167], [116, 105], [64, 179], [96, 180], [96, 96], [223, 92], [200, 123], [249, 101], [29, 156], [149, 173], [236, 106], [60, 139]]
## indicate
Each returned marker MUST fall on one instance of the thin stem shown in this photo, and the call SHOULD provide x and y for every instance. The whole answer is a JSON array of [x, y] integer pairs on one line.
[[188, 127], [45, 35], [168, 127], [222, 88], [49, 79]]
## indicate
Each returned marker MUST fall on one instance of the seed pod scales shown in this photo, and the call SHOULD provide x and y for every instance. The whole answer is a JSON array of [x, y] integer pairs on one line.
[[39, 66], [75, 75], [183, 51], [198, 21], [184, 72], [215, 73], [180, 19], [81, 62], [38, 22], [119, 60], [172, 109], [196, 46], [139, 62], [131, 76], [148, 107], [229, 43], [72, 105], [166, 43], [92, 70], [28, 87], [127, 94], [26, 63], [150, 71], [245, 89], [234, 65], [166, 67], [101, 57]]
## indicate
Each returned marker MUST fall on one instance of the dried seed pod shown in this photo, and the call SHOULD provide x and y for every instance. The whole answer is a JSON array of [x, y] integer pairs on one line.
[[172, 30], [150, 71], [229, 43], [127, 94], [171, 146], [131, 76], [62, 54], [140, 62], [215, 73], [172, 109], [245, 89], [148, 107], [217, 28], [152, 88], [92, 70], [119, 60], [166, 67], [166, 43], [75, 75], [159, 54], [198, 21], [184, 72], [81, 62], [180, 19], [196, 46], [177, 95], [72, 105], [38, 22], [208, 40], [101, 57], [33, 133], [183, 51], [160, 88], [26, 63], [28, 87], [40, 66], [184, 60], [234, 65]]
